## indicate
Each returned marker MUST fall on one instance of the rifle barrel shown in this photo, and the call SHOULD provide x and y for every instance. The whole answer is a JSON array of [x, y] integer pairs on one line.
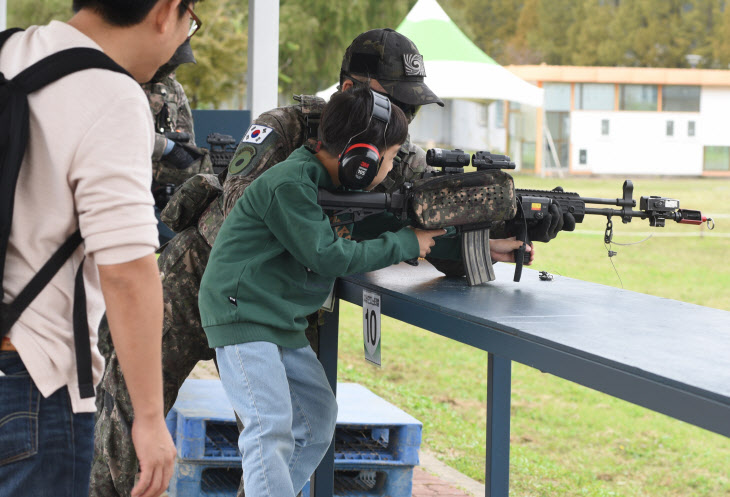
[[616, 212], [607, 201]]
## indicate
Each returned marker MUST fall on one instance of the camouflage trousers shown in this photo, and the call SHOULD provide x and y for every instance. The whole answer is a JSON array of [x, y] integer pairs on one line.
[[184, 343]]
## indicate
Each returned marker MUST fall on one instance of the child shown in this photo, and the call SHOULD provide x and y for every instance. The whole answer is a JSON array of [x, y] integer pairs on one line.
[[274, 263]]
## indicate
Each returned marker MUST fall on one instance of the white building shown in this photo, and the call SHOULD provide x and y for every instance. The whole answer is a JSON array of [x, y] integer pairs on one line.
[[619, 120]]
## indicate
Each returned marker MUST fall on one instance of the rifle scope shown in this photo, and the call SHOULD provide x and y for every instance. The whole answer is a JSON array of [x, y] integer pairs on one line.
[[439, 157]]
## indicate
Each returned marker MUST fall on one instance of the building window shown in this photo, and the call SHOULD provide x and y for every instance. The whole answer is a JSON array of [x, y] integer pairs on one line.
[[557, 96], [670, 128], [583, 157], [594, 96], [604, 127], [717, 158], [679, 98], [638, 97], [558, 124], [691, 128], [499, 114]]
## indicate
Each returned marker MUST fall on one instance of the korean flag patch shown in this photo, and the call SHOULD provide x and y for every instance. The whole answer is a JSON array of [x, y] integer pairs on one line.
[[256, 134]]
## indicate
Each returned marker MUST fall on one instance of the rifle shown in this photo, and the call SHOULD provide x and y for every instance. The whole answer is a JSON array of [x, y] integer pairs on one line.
[[222, 150], [469, 203], [531, 208], [533, 205]]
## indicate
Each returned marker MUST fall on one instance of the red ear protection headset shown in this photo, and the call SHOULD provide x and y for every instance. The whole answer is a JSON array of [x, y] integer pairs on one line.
[[359, 163]]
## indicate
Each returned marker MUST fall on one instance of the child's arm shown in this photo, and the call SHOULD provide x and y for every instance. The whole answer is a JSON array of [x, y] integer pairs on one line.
[[299, 223]]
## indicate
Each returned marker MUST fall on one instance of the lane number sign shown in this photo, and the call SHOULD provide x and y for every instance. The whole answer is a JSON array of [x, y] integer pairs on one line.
[[371, 326]]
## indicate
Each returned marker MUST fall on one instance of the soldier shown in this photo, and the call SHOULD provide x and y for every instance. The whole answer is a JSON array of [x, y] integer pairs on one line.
[[392, 65], [175, 157]]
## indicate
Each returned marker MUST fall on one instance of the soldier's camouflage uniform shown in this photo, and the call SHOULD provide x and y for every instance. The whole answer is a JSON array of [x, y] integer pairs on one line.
[[171, 112], [196, 212]]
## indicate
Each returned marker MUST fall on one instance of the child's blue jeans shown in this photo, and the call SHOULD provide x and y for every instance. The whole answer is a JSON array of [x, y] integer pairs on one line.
[[288, 412], [45, 449]]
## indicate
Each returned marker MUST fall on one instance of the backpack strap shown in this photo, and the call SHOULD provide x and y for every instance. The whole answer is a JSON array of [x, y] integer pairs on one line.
[[82, 346], [13, 310], [14, 110], [13, 94]]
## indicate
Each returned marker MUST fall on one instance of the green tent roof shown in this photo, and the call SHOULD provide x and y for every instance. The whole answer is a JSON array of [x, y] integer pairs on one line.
[[438, 38]]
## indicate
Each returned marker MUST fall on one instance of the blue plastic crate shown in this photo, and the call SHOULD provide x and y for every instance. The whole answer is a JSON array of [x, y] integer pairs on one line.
[[374, 481], [203, 424], [194, 479], [373, 430], [369, 429]]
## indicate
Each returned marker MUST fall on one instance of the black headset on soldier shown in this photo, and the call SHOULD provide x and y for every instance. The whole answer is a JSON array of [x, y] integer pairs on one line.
[[359, 163]]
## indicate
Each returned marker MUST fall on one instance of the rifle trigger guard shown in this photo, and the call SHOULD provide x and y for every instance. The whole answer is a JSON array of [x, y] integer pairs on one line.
[[608, 235]]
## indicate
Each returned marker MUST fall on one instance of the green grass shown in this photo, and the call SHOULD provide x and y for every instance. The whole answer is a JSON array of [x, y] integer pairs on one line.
[[566, 439]]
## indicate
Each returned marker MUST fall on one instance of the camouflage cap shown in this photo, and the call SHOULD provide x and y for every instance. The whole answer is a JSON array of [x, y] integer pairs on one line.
[[393, 60]]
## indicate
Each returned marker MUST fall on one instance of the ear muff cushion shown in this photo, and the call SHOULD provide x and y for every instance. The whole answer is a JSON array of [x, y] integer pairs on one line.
[[358, 166]]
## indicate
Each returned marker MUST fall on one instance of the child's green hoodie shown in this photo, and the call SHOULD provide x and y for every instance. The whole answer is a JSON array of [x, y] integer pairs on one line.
[[276, 258]]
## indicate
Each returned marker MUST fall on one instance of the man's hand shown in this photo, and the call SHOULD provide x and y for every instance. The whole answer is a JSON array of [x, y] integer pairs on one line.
[[178, 157], [133, 295], [156, 454], [551, 224], [502, 250], [426, 239]]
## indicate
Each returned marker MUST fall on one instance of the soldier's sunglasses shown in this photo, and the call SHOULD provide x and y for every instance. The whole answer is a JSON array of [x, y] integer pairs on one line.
[[195, 22]]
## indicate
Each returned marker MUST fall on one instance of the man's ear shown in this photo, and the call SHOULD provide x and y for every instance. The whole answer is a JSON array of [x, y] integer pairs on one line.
[[347, 85], [166, 15]]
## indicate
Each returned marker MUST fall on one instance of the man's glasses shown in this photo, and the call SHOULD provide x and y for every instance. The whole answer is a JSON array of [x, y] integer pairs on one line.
[[195, 23]]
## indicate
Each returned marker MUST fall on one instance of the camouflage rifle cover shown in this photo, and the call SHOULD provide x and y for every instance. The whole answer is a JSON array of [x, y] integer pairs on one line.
[[475, 199]]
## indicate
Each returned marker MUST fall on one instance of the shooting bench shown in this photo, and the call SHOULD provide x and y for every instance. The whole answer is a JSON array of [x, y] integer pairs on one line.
[[668, 356]]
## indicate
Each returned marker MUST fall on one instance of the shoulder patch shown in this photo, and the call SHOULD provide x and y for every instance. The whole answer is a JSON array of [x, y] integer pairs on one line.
[[243, 157], [257, 134], [254, 151]]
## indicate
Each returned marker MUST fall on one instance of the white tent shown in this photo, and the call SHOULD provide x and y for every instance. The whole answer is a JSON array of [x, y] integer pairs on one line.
[[455, 67]]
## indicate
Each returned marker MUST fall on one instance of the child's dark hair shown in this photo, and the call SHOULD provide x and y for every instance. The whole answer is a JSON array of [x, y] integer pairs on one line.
[[124, 12], [346, 116]]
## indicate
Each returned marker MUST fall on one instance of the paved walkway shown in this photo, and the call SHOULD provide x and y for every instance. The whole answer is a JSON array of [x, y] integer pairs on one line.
[[434, 478], [428, 485]]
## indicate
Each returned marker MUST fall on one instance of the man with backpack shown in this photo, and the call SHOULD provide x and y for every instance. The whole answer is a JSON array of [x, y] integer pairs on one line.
[[77, 231]]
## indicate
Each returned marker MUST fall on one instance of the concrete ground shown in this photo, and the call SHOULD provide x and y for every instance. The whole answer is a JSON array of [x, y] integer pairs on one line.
[[432, 478]]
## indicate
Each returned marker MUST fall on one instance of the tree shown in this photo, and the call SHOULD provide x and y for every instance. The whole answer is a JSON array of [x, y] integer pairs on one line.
[[721, 40], [314, 34], [220, 48], [24, 13], [518, 49], [594, 41], [490, 25]]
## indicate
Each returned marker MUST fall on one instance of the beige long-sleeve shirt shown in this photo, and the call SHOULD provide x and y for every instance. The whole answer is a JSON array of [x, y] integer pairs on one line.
[[87, 165]]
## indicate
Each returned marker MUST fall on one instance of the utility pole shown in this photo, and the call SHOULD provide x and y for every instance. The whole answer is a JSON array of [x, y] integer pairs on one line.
[[263, 56], [3, 15]]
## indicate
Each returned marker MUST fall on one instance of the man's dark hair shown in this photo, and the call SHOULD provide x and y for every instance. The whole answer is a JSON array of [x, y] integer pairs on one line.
[[347, 116], [124, 12]]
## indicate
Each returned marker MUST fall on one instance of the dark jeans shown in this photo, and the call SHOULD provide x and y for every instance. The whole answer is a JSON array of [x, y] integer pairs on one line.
[[45, 449]]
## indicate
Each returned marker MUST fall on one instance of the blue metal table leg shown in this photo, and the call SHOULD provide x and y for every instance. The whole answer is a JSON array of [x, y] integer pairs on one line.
[[324, 477], [499, 391]]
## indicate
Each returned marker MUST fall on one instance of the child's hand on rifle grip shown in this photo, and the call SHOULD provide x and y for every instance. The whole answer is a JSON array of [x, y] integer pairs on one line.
[[426, 239]]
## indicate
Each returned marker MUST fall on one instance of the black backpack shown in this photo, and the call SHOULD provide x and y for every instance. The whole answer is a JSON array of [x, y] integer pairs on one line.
[[14, 124]]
